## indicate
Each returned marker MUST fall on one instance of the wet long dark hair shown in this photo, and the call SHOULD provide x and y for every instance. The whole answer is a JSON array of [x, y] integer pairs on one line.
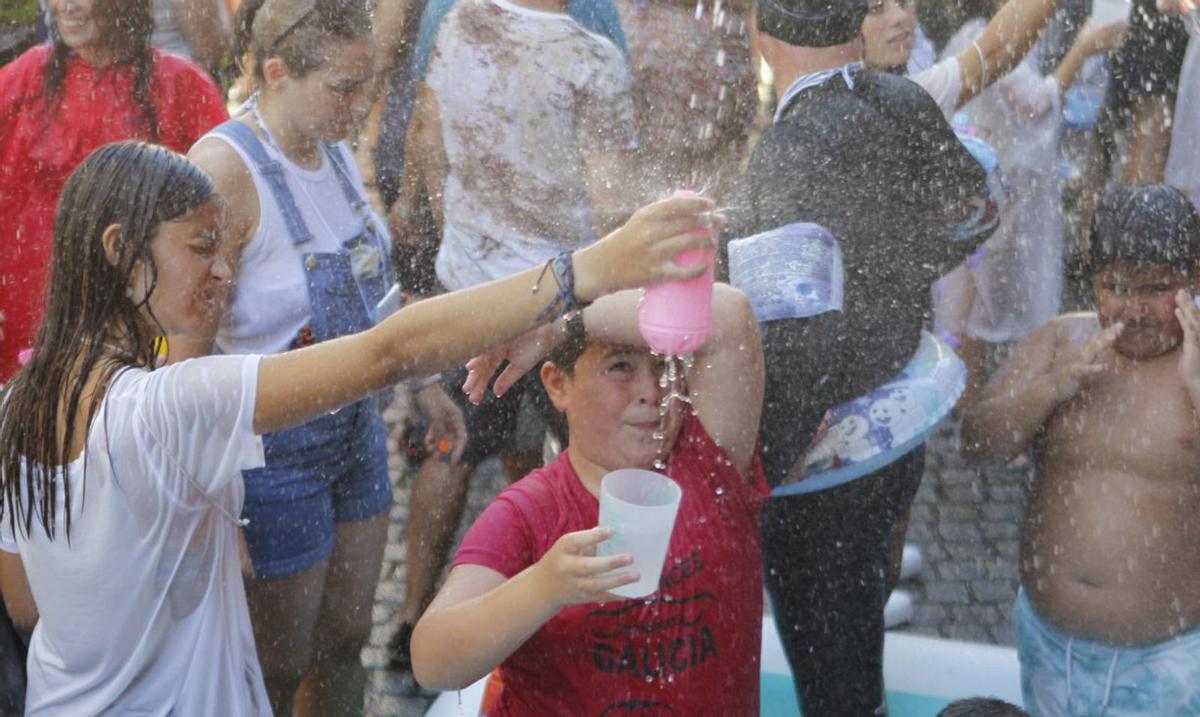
[[89, 313], [126, 26], [296, 31]]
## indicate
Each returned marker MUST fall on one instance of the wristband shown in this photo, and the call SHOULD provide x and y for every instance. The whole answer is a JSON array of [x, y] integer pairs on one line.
[[564, 301]]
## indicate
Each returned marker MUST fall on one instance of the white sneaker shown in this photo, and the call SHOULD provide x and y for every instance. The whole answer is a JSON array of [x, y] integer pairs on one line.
[[911, 562], [898, 610]]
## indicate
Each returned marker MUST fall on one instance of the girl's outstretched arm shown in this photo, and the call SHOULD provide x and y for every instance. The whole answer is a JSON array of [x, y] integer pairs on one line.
[[436, 333]]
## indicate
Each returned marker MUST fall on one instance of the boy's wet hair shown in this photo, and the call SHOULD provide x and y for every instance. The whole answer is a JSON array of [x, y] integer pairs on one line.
[[1146, 225], [566, 354], [982, 707]]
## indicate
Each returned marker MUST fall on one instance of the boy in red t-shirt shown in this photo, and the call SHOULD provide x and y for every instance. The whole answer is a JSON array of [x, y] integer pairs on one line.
[[526, 592]]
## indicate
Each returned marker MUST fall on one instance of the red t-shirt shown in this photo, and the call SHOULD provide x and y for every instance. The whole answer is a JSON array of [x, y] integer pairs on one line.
[[39, 151], [691, 648]]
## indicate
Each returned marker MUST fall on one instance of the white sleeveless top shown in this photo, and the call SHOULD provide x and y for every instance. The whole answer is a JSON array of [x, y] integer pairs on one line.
[[269, 303]]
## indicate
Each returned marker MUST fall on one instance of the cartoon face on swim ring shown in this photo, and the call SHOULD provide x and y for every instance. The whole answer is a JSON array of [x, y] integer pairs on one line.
[[877, 428]]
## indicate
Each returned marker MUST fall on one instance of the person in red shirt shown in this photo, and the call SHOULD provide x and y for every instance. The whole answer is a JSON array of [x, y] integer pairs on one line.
[[526, 592], [99, 81]]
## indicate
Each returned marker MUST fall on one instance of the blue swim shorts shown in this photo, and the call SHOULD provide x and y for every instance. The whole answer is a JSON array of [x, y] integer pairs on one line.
[[1064, 675]]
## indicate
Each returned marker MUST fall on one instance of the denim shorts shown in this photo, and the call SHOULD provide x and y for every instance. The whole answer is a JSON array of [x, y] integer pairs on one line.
[[330, 470]]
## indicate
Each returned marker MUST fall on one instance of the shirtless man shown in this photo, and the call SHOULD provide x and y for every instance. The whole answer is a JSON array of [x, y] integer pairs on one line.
[[1107, 617]]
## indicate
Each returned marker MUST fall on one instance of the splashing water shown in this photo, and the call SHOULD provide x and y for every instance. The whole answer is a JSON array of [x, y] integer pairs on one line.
[[672, 382]]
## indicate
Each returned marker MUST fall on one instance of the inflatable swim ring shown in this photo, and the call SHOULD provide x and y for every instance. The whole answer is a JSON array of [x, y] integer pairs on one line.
[[790, 272], [875, 429]]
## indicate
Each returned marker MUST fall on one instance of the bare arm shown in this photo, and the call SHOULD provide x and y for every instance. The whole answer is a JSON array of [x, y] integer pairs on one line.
[[1007, 39], [390, 16], [1090, 42], [18, 598], [207, 30], [1149, 140], [1043, 372], [479, 618]]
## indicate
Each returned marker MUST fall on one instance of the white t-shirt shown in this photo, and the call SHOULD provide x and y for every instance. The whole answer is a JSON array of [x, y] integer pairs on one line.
[[1183, 163], [943, 82], [143, 611], [525, 96], [270, 302], [924, 55]]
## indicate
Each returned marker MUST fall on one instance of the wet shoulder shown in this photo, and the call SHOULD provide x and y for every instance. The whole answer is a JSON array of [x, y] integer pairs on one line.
[[24, 73]]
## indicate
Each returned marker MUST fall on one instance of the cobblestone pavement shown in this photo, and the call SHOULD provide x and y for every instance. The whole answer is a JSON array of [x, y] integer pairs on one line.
[[965, 520], [387, 693]]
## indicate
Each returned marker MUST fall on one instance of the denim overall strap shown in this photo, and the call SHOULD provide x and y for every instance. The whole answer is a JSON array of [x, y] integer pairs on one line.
[[357, 202], [374, 286], [272, 172]]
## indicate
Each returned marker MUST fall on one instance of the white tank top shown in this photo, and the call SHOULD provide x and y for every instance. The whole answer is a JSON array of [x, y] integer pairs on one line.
[[270, 304]]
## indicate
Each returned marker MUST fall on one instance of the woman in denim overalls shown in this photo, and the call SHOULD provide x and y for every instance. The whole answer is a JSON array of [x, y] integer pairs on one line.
[[313, 267]]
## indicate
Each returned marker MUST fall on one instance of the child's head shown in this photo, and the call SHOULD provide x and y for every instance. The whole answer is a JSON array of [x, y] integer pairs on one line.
[[1145, 247], [982, 707], [610, 395], [888, 32], [115, 242], [316, 56]]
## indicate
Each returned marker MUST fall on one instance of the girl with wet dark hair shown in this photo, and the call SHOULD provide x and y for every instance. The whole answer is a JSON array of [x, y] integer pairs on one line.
[[121, 485], [98, 81]]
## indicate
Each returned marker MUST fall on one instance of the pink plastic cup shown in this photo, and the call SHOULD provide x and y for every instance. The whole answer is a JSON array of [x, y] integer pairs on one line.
[[675, 316]]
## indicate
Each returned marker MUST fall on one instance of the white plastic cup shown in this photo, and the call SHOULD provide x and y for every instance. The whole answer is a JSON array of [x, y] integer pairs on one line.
[[640, 506]]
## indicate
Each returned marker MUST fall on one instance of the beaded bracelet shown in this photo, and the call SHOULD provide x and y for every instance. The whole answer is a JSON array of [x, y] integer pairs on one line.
[[564, 301]]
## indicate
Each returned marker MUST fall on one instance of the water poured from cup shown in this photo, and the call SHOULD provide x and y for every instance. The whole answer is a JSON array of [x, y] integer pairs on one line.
[[640, 507]]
